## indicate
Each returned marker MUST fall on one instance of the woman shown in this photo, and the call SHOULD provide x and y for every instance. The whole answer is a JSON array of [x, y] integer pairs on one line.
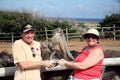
[[88, 64]]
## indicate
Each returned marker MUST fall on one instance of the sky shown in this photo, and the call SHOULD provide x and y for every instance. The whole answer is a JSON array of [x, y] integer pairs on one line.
[[62, 8]]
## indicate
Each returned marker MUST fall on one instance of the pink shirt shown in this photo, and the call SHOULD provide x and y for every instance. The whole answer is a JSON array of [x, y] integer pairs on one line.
[[90, 73]]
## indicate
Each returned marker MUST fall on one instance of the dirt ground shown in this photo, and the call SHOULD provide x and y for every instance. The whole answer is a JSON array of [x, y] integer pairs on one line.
[[105, 43], [74, 44]]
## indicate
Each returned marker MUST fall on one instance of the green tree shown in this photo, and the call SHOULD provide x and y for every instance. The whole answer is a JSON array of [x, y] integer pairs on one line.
[[111, 20], [12, 21]]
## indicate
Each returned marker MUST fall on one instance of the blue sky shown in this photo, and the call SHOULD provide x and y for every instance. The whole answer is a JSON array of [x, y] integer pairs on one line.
[[62, 8]]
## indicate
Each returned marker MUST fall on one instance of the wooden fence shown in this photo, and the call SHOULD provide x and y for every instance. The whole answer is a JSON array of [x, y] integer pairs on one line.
[[105, 32]]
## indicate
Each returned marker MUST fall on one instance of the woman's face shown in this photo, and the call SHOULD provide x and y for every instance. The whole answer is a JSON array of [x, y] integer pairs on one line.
[[28, 36], [91, 40]]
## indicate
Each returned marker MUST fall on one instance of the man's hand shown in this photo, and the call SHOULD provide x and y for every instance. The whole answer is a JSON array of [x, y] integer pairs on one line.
[[47, 64]]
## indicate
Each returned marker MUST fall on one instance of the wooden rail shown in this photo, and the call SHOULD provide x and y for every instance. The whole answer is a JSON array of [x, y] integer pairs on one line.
[[9, 71]]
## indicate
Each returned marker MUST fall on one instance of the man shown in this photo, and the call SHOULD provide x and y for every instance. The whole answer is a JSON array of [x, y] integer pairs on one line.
[[27, 55]]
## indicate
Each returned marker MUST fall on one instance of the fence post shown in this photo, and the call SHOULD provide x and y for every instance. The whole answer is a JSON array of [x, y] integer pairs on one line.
[[12, 37], [46, 34], [114, 32], [84, 30], [67, 34], [102, 31]]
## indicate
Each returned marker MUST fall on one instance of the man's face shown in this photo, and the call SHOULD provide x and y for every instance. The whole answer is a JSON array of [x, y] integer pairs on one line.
[[28, 36]]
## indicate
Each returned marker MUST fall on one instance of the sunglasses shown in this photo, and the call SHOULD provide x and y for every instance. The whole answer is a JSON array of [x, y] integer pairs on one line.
[[90, 36], [33, 52]]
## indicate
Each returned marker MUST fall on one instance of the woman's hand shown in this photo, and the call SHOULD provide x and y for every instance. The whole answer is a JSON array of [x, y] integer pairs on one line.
[[62, 62]]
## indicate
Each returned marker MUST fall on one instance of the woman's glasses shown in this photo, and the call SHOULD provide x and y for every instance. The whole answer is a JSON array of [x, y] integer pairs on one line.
[[87, 36]]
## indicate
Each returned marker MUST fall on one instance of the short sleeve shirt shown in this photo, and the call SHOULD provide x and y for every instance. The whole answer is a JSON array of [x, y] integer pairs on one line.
[[22, 52], [93, 72]]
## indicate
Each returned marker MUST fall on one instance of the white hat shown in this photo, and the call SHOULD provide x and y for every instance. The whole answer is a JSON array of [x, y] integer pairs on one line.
[[92, 31]]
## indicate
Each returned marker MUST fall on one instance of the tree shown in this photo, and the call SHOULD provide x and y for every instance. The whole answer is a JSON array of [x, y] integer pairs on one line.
[[12, 21], [113, 19]]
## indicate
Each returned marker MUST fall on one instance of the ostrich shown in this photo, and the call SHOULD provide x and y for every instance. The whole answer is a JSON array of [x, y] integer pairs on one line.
[[111, 72], [6, 59], [49, 52], [59, 39]]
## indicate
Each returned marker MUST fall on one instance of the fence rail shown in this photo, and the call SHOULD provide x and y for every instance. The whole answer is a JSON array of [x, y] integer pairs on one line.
[[105, 32], [9, 71]]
